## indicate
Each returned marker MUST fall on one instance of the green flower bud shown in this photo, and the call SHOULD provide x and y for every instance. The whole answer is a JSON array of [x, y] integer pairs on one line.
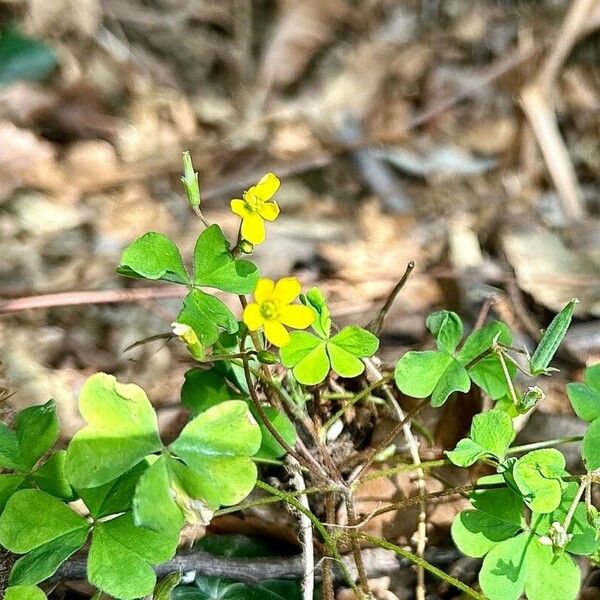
[[246, 247], [267, 358]]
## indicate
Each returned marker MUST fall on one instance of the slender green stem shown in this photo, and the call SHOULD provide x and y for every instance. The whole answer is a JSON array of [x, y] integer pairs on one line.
[[327, 539], [421, 562], [544, 444], [511, 387], [406, 468]]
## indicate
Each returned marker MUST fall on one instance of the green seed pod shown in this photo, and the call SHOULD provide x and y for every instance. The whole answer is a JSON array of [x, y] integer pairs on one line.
[[267, 358], [190, 181]]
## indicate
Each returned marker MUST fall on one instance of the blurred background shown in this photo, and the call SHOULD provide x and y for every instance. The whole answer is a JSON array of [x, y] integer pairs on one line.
[[460, 134]]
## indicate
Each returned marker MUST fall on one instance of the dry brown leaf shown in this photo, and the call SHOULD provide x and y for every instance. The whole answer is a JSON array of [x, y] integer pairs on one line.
[[551, 272], [301, 30]]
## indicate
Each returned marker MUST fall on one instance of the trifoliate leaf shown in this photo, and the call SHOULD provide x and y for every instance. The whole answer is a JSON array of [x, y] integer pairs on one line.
[[315, 300], [489, 376], [215, 267], [122, 429], [33, 518], [344, 363], [417, 373], [203, 389], [585, 397], [551, 339], [206, 315], [503, 503], [481, 340], [223, 461], [153, 256], [37, 431], [356, 341], [447, 328], [454, 379], [307, 354], [121, 557], [9, 484], [538, 476], [10, 456]]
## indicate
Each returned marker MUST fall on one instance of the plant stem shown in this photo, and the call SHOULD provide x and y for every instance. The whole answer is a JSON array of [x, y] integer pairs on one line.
[[327, 539], [544, 444], [421, 562]]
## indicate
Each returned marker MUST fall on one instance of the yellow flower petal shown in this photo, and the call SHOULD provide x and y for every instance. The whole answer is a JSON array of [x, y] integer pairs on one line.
[[297, 316], [238, 207], [276, 333], [252, 317], [264, 290], [287, 290], [266, 187], [253, 228], [269, 211]]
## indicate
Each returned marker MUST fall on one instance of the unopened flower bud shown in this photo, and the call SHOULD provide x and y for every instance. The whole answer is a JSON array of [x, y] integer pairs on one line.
[[267, 358]]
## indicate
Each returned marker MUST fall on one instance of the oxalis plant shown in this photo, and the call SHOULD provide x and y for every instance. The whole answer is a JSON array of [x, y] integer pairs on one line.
[[272, 389]]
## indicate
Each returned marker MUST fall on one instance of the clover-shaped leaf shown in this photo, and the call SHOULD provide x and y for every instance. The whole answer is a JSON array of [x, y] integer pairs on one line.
[[206, 315], [121, 557], [122, 429], [153, 256], [9, 484], [217, 445], [315, 300], [51, 476], [214, 265], [447, 328], [538, 475], [312, 357], [590, 447], [431, 373], [491, 434]]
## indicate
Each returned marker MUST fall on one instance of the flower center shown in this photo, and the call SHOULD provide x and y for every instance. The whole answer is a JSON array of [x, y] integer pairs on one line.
[[253, 202], [269, 309]]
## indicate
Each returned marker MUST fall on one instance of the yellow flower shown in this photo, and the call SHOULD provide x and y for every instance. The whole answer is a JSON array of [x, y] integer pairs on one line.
[[256, 207], [273, 309]]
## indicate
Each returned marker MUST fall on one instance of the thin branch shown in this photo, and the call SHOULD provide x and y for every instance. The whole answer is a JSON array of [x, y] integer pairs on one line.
[[376, 325]]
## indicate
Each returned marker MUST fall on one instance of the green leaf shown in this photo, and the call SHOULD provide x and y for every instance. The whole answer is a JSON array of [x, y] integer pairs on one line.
[[356, 341], [37, 431], [270, 447], [466, 453], [301, 344], [9, 484], [344, 363], [121, 555], [417, 373], [447, 328], [585, 397], [115, 496], [493, 431], [315, 300], [42, 562], [502, 575], [551, 339], [32, 518], [122, 429], [584, 540], [154, 506], [205, 314], [207, 445], [481, 340], [214, 266], [24, 592], [203, 389], [51, 477], [10, 456], [307, 355], [590, 447], [502, 502], [23, 58], [454, 379], [550, 576], [475, 533], [489, 376], [538, 476], [153, 256]]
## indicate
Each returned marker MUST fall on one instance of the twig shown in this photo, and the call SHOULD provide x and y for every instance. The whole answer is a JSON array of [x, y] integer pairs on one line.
[[376, 325], [306, 534]]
